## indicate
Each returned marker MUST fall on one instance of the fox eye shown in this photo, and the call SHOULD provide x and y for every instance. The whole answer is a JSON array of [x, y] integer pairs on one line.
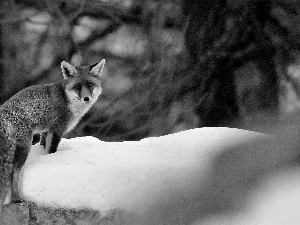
[[77, 87], [89, 85]]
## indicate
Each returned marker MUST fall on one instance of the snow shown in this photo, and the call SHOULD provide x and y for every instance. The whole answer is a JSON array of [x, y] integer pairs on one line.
[[137, 176], [88, 173], [275, 202]]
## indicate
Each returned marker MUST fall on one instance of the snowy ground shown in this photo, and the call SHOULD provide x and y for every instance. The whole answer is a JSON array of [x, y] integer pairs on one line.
[[152, 174]]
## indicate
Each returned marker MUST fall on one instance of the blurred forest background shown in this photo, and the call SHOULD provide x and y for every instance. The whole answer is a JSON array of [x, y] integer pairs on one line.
[[171, 65]]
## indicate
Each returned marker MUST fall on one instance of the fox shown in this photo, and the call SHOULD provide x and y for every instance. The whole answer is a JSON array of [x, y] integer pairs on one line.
[[50, 110]]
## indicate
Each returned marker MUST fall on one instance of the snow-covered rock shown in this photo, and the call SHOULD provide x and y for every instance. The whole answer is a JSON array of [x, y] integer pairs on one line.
[[89, 173], [205, 176]]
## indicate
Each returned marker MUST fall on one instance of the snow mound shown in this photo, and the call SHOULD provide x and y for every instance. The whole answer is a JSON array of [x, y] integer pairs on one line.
[[88, 173]]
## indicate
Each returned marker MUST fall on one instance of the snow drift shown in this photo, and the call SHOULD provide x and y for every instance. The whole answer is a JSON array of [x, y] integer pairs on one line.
[[88, 173], [202, 174]]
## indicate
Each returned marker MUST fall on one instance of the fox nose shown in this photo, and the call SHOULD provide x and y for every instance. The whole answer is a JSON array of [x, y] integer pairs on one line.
[[86, 99]]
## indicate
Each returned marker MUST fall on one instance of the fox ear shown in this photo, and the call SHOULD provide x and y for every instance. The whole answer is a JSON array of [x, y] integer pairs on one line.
[[97, 68], [68, 70]]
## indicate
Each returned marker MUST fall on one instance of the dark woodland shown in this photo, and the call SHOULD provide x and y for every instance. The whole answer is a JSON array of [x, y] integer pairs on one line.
[[171, 65]]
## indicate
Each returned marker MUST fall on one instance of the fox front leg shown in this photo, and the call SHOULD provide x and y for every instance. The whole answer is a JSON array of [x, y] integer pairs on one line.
[[43, 139], [52, 141]]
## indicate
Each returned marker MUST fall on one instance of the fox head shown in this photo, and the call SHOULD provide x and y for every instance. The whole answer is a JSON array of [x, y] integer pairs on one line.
[[83, 84]]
